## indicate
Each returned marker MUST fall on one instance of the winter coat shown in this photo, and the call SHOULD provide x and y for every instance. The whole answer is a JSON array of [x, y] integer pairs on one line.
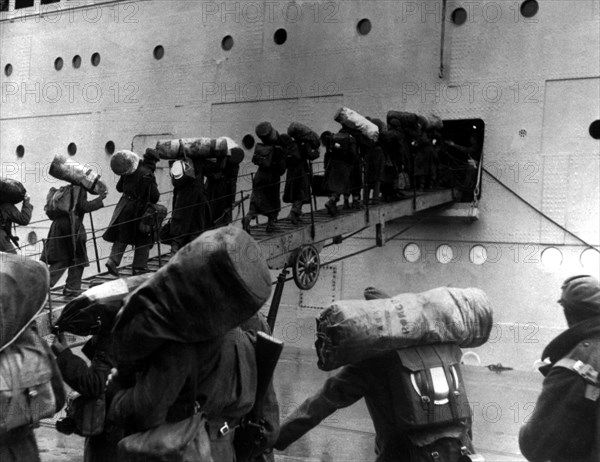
[[297, 180], [370, 380], [89, 381], [67, 237], [266, 187], [339, 168], [220, 191], [9, 214], [139, 189], [226, 380], [565, 425], [191, 212]]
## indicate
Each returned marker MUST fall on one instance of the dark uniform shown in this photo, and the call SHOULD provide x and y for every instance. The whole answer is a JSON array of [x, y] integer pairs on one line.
[[139, 189], [565, 425], [181, 323], [297, 180], [65, 249], [400, 434], [10, 214]]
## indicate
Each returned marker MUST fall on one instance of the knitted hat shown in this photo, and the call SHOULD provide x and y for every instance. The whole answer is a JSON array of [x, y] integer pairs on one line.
[[581, 297], [124, 162]]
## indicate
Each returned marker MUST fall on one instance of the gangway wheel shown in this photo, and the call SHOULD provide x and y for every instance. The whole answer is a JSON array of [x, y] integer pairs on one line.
[[306, 268]]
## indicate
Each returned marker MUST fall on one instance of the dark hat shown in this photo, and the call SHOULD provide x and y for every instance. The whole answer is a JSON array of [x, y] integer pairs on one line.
[[266, 132], [124, 162], [151, 155], [581, 297]]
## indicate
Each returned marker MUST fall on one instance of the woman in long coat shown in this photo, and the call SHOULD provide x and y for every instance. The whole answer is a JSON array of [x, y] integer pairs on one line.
[[340, 160], [139, 189], [65, 248]]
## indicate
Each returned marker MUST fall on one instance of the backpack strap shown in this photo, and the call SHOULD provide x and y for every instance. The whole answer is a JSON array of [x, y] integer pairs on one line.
[[585, 371]]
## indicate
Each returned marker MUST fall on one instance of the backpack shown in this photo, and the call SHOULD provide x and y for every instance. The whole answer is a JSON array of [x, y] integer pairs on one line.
[[59, 201], [341, 147], [263, 155], [27, 372], [430, 403]]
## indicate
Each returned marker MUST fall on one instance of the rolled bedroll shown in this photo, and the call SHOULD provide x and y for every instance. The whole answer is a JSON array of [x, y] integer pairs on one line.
[[304, 134], [73, 172], [406, 119], [195, 148], [349, 331], [11, 191], [353, 120]]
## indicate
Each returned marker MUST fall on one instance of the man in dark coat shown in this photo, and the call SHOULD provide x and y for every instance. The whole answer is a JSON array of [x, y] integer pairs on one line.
[[191, 212], [180, 328], [341, 158], [266, 183], [65, 248], [373, 380], [221, 186], [138, 189], [297, 180], [90, 380], [9, 214], [565, 425]]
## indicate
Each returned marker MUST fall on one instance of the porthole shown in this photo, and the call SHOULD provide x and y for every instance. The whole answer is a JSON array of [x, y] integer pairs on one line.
[[76, 61], [32, 237], [95, 59], [590, 260], [159, 52], [459, 16], [444, 254], [248, 141], [364, 26], [109, 148], [8, 70], [280, 36], [227, 43], [552, 257], [20, 150], [478, 255], [529, 8], [58, 64], [412, 252], [595, 129], [72, 149]]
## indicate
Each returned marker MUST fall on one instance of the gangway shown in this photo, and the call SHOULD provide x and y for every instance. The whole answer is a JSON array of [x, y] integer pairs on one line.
[[291, 246]]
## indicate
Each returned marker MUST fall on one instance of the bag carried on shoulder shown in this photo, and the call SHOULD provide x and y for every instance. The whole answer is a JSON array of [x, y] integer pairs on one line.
[[59, 201], [183, 441], [27, 396]]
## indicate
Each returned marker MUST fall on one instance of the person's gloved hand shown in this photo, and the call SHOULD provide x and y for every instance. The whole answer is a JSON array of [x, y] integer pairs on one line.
[[59, 344]]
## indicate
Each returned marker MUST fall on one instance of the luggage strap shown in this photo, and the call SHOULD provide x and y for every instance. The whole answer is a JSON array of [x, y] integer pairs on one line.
[[585, 371]]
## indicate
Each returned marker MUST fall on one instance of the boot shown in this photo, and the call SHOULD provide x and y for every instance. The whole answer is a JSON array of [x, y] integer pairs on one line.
[[112, 268], [331, 207], [271, 227]]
